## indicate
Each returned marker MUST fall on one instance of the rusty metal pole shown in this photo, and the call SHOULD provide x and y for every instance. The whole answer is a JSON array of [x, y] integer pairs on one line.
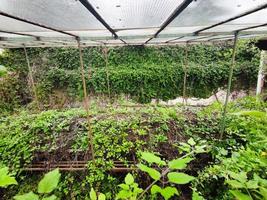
[[222, 125], [31, 78], [86, 103], [185, 74]]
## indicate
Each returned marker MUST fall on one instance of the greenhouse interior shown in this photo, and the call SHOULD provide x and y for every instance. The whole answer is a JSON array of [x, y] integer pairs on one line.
[[133, 100]]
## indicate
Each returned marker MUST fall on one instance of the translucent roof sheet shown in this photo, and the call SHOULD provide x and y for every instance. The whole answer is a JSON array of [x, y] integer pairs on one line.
[[45, 23]]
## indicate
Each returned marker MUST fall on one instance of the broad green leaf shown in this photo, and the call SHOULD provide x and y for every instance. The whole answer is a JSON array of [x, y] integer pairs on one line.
[[5, 178], [241, 177], [155, 189], [235, 184], [52, 197], [240, 196], [252, 184], [191, 142], [152, 172], [123, 194], [124, 186], [151, 158], [179, 163], [196, 196], [27, 196], [49, 182], [93, 194], [179, 178], [263, 192], [137, 190], [101, 196], [168, 192], [129, 179]]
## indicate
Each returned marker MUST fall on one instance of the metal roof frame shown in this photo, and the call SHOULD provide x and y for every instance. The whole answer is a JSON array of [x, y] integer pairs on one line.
[[70, 42]]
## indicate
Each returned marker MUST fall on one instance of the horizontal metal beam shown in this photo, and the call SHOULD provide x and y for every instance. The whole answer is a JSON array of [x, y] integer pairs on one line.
[[252, 27], [36, 24], [195, 39], [178, 38], [22, 34], [91, 9], [232, 18], [176, 12]]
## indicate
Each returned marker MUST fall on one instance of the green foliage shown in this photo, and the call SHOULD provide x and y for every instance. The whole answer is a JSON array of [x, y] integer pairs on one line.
[[167, 192], [47, 185], [129, 190], [143, 73], [93, 195], [173, 176], [5, 178], [3, 71], [12, 91], [151, 158], [49, 182], [27, 196], [239, 170], [152, 172], [179, 163], [179, 178], [235, 168]]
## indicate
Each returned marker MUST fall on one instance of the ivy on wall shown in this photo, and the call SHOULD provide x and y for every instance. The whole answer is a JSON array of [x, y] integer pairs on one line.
[[142, 72]]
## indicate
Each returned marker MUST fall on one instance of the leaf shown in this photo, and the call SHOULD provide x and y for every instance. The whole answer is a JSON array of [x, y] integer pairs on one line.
[[93, 194], [52, 197], [179, 163], [124, 186], [27, 196], [252, 184], [101, 196], [196, 196], [49, 182], [168, 192], [235, 183], [123, 194], [152, 172], [179, 178], [241, 177], [129, 179], [155, 189], [6, 179], [151, 158], [263, 192], [240, 196], [191, 142]]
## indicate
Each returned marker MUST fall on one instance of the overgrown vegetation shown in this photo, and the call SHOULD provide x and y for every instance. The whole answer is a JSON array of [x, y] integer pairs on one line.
[[143, 73], [234, 167], [142, 151]]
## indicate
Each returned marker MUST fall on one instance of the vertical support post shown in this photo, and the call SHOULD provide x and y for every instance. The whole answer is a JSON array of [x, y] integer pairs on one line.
[[261, 74], [222, 125], [86, 103], [105, 51], [185, 74], [31, 78]]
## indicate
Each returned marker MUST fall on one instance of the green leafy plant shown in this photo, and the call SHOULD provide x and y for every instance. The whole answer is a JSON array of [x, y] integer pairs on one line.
[[94, 196], [129, 189], [169, 170], [45, 187], [6, 179], [245, 189]]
